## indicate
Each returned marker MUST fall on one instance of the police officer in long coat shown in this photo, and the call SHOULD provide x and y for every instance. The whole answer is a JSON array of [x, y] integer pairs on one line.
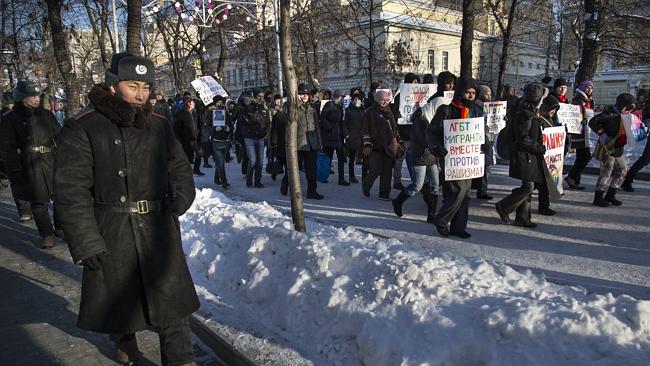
[[28, 133], [122, 180]]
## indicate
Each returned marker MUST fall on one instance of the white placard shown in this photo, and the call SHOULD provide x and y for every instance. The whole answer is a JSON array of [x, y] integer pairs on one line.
[[218, 118], [411, 97], [208, 88], [463, 140], [554, 138], [495, 116], [570, 116]]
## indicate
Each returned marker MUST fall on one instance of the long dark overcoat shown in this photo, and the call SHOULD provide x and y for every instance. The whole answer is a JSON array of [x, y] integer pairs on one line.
[[352, 127], [103, 157], [527, 161], [331, 121], [31, 172]]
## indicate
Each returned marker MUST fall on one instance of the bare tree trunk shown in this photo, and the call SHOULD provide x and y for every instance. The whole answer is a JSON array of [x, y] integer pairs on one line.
[[467, 38], [99, 34], [61, 54], [297, 211], [505, 47], [589, 55], [223, 51], [133, 24]]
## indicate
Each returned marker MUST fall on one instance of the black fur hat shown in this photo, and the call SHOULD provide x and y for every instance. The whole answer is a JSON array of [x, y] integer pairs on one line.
[[127, 66]]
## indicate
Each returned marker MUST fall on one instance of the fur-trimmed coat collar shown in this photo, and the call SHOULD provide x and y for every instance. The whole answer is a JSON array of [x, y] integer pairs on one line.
[[117, 110], [26, 111]]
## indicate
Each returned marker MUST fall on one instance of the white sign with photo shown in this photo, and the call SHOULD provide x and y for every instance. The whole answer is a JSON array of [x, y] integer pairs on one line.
[[208, 88], [570, 116], [412, 97]]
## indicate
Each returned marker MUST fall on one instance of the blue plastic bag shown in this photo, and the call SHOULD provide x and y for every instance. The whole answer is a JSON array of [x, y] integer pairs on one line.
[[322, 167]]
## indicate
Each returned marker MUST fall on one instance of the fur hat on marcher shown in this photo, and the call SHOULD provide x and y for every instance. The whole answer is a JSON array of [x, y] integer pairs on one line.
[[26, 88], [337, 93], [7, 98], [546, 79], [277, 96], [560, 82], [549, 103], [302, 89], [535, 93], [625, 100], [127, 66]]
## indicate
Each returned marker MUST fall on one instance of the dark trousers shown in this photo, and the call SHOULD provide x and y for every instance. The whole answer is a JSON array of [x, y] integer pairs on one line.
[[639, 164], [219, 155], [380, 165], [455, 205], [340, 159], [308, 160], [175, 342], [21, 205], [352, 154], [42, 219], [207, 152], [519, 200], [543, 195], [192, 156], [583, 156]]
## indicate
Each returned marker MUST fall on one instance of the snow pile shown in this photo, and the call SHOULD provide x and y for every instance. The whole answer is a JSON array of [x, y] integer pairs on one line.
[[343, 297]]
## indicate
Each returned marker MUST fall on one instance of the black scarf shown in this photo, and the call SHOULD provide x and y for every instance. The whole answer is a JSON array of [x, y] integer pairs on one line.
[[119, 111]]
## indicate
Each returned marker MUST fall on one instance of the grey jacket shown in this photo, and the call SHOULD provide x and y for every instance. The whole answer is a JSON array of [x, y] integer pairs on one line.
[[308, 128]]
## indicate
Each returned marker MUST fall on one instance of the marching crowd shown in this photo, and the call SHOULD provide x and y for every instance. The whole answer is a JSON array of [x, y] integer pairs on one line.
[[120, 171]]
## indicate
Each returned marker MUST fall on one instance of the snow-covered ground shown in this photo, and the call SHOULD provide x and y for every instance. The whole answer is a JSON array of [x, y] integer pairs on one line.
[[340, 296], [602, 249]]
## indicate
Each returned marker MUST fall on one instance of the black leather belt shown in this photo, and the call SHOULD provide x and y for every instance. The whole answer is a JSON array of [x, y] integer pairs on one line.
[[139, 207]]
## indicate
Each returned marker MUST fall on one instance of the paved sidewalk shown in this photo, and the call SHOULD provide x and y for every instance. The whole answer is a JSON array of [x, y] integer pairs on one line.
[[40, 292]]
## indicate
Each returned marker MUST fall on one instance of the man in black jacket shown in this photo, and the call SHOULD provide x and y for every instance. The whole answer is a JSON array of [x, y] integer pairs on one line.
[[452, 216], [28, 152], [121, 181]]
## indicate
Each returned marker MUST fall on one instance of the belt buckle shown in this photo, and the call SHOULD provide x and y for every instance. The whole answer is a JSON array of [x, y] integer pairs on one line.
[[41, 149], [142, 206]]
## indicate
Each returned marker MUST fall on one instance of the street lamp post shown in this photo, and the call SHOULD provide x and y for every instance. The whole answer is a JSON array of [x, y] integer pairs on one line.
[[7, 59]]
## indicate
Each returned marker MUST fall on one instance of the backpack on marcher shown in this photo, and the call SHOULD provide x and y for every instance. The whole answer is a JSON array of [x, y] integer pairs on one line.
[[504, 142]]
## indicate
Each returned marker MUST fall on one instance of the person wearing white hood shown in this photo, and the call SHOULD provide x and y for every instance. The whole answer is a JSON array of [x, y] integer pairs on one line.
[[424, 169]]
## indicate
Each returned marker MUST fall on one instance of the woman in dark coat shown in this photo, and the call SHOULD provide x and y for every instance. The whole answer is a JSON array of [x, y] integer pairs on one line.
[[28, 151], [121, 182], [527, 159], [331, 130], [352, 130]]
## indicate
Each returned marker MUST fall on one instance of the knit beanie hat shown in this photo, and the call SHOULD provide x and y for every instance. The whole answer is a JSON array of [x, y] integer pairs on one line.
[[127, 66], [24, 89], [560, 82], [583, 85], [411, 77]]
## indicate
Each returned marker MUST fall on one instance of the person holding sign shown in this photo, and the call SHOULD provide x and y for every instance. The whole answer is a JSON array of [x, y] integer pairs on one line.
[[611, 140], [404, 129], [219, 136], [643, 112], [527, 157], [453, 215], [580, 142]]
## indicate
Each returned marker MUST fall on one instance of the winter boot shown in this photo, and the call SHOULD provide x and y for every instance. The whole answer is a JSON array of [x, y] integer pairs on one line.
[[398, 202], [343, 182], [546, 211], [353, 179], [573, 184], [627, 186], [611, 197], [598, 199], [127, 352], [48, 242], [432, 205]]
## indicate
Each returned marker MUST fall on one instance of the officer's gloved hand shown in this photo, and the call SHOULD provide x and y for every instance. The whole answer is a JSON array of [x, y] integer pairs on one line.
[[94, 263], [367, 151]]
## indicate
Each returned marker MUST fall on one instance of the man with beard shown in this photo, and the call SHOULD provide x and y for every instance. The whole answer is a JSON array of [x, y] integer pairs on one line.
[[453, 215], [122, 180], [28, 133]]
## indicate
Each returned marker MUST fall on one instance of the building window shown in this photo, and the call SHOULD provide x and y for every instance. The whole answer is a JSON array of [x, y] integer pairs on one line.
[[530, 65], [336, 61], [445, 60], [325, 60], [521, 64], [432, 61], [347, 60]]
